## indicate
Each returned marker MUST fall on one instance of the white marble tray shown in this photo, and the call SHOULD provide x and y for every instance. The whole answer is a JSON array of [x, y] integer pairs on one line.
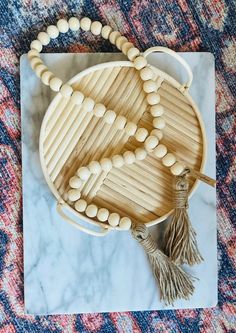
[[66, 271]]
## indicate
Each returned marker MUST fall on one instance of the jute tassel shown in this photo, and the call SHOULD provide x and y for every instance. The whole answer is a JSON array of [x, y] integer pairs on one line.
[[180, 237], [173, 282]]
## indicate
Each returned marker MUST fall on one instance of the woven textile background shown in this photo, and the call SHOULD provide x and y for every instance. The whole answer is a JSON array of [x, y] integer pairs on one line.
[[184, 25]]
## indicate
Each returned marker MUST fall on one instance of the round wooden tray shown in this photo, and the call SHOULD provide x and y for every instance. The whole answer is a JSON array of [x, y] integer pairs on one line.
[[71, 138]]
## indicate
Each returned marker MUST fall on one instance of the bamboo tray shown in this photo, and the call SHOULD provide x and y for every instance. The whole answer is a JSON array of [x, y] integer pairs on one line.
[[71, 138]]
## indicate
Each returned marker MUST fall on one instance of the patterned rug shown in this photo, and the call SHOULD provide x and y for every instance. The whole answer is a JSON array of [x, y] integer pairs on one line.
[[193, 25]]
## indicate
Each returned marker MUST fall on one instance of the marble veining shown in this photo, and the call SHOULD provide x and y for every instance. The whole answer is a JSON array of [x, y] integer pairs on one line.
[[66, 271]]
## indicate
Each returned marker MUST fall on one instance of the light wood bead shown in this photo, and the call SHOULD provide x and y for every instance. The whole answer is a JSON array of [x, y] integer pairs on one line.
[[88, 104], [33, 54], [80, 205], [106, 30], [120, 41], [120, 122], [85, 23], [130, 128], [141, 134], [74, 195], [106, 164], [91, 210], [149, 86], [44, 38], [133, 53], [160, 151], [177, 168], [117, 161], [77, 97], [140, 62], [114, 219], [34, 62], [169, 160], [99, 110], [52, 31], [55, 84], [153, 98], [126, 46], [140, 154], [146, 74], [66, 90], [125, 223], [109, 117], [129, 157], [158, 133], [40, 69], [103, 214], [95, 167], [159, 123], [46, 77], [62, 25], [75, 182], [84, 173], [157, 110], [151, 142], [114, 35], [36, 45], [74, 24], [96, 28]]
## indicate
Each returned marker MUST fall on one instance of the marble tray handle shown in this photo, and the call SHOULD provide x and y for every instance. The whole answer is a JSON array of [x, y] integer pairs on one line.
[[185, 86], [102, 231]]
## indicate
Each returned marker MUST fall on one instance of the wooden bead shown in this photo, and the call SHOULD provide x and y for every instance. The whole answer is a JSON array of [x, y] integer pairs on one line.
[[55, 84], [91, 210], [153, 98], [133, 53], [159, 123], [140, 154], [158, 133], [88, 104], [106, 30], [129, 157], [146, 74], [157, 110], [99, 110], [62, 25], [36, 45], [160, 151], [177, 168], [46, 77], [103, 214], [80, 205], [114, 35], [120, 122], [106, 164], [52, 31], [140, 62], [33, 54], [117, 161], [74, 195], [74, 24], [96, 28], [85, 23], [40, 69], [126, 46], [141, 134], [109, 117], [35, 62], [83, 173], [149, 86], [169, 159], [130, 128], [77, 97], [151, 142], [66, 90], [120, 41], [125, 223], [114, 219], [44, 38], [75, 182], [94, 167]]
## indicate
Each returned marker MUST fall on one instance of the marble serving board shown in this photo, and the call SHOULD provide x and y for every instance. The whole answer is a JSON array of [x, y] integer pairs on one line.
[[66, 271]]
